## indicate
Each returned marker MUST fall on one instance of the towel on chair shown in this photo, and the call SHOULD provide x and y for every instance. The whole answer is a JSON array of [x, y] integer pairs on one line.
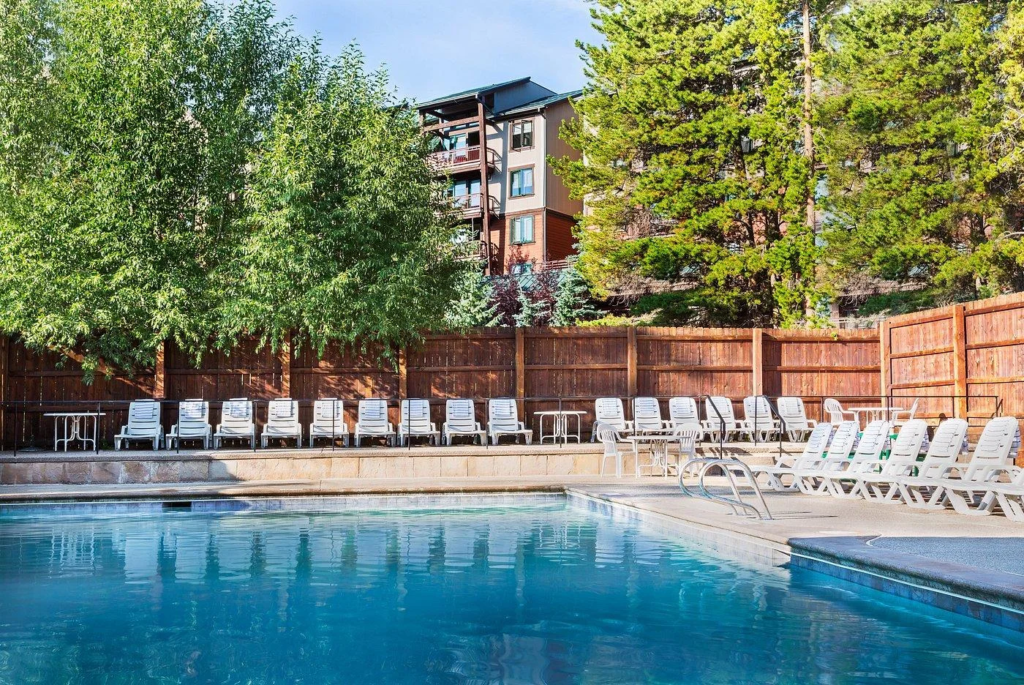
[[237, 409], [191, 411], [281, 409], [145, 410]]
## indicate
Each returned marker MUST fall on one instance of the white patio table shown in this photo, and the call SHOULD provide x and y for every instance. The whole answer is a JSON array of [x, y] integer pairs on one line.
[[75, 427], [560, 427], [659, 441]]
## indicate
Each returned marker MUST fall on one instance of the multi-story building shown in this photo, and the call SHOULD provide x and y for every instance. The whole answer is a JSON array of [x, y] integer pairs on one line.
[[493, 144]]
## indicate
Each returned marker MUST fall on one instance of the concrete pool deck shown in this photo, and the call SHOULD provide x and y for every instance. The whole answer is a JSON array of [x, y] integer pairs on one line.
[[971, 565]]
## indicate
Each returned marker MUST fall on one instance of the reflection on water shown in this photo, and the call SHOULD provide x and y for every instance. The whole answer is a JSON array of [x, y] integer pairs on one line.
[[520, 595]]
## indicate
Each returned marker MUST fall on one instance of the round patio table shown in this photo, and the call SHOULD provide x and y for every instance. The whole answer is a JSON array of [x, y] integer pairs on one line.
[[872, 413], [659, 441]]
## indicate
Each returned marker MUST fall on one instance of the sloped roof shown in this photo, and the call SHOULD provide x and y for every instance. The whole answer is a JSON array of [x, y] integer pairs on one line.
[[462, 95], [540, 104]]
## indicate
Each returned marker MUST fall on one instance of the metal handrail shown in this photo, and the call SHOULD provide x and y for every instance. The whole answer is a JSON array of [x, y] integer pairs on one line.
[[727, 466], [721, 423]]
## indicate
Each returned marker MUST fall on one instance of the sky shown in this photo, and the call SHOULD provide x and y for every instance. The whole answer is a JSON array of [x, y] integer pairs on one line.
[[435, 47]]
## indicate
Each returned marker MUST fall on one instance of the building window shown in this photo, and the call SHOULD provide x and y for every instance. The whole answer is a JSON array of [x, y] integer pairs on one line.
[[522, 269], [522, 134], [522, 182], [522, 229]]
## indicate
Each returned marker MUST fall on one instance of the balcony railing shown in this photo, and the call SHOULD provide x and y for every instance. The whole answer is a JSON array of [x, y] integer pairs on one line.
[[465, 158], [471, 205], [476, 250]]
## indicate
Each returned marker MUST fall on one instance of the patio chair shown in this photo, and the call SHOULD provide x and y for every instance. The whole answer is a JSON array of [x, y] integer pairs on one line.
[[719, 419], [503, 419], [609, 437], [811, 481], [416, 423], [867, 458], [1011, 497], [948, 441], [236, 423], [647, 414], [282, 422], [990, 459], [903, 454], [902, 416], [143, 425], [373, 422], [810, 459], [836, 413], [460, 420], [609, 410], [193, 424], [328, 421], [758, 421], [682, 413], [794, 418], [974, 493]]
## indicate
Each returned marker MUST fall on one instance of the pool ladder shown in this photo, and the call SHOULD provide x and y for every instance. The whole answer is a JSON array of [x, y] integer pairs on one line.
[[731, 468]]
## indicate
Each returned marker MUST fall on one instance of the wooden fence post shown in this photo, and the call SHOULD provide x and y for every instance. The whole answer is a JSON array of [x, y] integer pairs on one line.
[[631, 356], [160, 372], [285, 357], [757, 362], [520, 367], [403, 372], [960, 361], [884, 365], [4, 385]]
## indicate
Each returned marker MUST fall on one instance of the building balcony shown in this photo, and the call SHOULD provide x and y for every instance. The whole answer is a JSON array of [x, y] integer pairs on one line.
[[476, 250], [462, 159], [471, 206]]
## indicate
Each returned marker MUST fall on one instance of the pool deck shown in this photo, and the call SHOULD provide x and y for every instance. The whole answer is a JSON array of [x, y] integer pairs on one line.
[[971, 565]]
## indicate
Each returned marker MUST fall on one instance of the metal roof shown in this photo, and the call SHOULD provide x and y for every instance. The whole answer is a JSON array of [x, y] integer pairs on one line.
[[540, 104], [472, 92]]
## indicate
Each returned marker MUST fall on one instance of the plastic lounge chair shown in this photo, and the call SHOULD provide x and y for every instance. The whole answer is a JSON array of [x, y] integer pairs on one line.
[[646, 414], [974, 494], [1011, 497], [236, 423], [503, 419], [810, 459], [943, 448], [715, 422], [282, 422], [682, 413], [903, 454], [758, 421], [143, 425], [811, 481], [794, 418], [328, 421], [867, 458], [904, 415], [609, 437], [609, 410], [416, 423], [373, 422], [193, 424], [836, 413], [989, 460], [460, 420]]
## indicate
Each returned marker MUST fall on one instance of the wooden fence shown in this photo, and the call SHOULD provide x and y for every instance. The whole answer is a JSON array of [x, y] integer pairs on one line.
[[538, 366], [965, 360]]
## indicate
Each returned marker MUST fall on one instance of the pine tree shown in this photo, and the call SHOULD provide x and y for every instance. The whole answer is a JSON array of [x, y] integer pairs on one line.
[[572, 301], [476, 307], [691, 126]]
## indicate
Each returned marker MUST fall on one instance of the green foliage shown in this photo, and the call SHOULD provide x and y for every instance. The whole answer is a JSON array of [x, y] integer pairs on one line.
[[172, 169], [572, 299], [895, 303], [475, 307], [691, 121]]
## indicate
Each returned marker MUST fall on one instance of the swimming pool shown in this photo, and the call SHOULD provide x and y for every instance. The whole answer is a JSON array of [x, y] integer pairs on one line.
[[539, 592]]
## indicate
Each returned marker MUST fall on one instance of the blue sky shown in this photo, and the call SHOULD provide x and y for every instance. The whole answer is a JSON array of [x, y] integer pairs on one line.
[[435, 47]]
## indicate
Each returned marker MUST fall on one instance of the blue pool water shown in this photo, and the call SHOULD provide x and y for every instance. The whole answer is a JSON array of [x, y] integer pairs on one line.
[[544, 592]]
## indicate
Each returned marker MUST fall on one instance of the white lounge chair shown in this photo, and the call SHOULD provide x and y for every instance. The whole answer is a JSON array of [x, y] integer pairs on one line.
[[867, 458], [719, 419], [328, 421], [870, 480], [974, 493], [811, 481], [503, 419], [758, 421], [236, 423], [282, 422], [373, 422], [901, 416], [609, 410], [193, 424], [1011, 497], [810, 459], [460, 420], [143, 425], [682, 413], [416, 423], [647, 414], [836, 413], [609, 437], [989, 460], [795, 423], [948, 441]]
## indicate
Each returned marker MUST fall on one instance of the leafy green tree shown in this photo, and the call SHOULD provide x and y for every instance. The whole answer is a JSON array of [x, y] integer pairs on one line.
[[572, 299], [691, 134], [476, 306], [910, 100]]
